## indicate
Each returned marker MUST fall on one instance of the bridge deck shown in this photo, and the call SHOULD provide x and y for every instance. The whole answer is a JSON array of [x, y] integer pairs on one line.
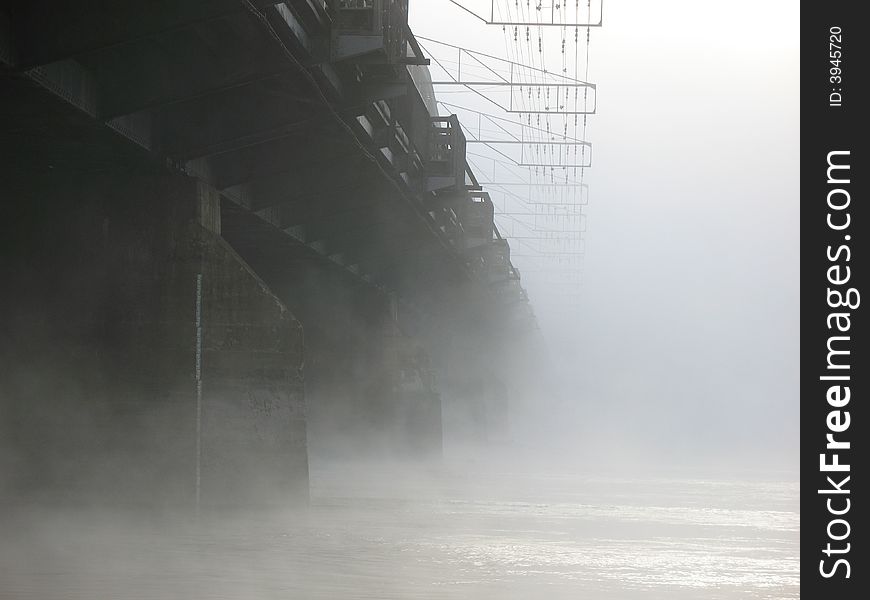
[[250, 97]]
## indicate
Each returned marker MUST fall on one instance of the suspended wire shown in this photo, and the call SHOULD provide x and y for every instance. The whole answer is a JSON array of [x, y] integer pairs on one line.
[[545, 111]]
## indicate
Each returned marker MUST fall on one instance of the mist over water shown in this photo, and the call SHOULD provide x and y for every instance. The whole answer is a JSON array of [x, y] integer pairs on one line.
[[467, 528], [649, 448]]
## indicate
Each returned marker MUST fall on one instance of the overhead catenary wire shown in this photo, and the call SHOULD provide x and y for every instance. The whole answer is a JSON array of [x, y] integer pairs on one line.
[[550, 138]]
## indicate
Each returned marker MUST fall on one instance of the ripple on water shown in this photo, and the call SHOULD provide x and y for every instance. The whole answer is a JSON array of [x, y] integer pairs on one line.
[[666, 539]]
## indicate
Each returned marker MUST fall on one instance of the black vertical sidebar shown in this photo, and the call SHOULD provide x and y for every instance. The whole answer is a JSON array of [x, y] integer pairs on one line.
[[835, 369]]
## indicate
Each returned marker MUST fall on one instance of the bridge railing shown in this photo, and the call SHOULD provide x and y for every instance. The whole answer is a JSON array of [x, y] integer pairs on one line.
[[497, 255], [412, 120], [366, 26], [425, 148], [477, 218], [446, 154]]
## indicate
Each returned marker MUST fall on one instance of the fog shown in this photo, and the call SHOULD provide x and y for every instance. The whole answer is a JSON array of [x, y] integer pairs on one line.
[[641, 444], [683, 345], [383, 530]]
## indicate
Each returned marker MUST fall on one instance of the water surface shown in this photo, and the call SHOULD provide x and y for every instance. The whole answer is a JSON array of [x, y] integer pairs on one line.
[[374, 532]]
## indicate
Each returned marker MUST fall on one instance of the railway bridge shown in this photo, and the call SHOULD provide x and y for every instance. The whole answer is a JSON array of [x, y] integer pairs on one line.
[[235, 232]]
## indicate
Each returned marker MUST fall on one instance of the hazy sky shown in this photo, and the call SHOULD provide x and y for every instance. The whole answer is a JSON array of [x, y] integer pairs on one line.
[[687, 328]]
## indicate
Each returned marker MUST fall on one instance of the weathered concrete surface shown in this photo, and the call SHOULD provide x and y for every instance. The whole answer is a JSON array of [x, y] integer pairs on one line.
[[367, 389], [99, 391], [478, 384], [370, 387], [253, 428], [401, 401]]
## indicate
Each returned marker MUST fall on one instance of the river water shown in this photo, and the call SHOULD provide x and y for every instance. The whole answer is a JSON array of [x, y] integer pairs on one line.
[[415, 533]]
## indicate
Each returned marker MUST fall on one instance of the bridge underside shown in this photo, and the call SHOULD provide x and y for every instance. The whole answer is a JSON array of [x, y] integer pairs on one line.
[[219, 251], [116, 263]]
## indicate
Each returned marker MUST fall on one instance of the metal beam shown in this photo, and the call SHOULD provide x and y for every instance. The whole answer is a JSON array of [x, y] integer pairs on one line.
[[191, 150], [142, 96], [556, 165], [401, 248], [305, 149], [530, 142], [512, 66], [309, 208], [186, 64], [529, 184], [337, 224], [359, 243], [303, 186], [314, 216], [552, 22], [234, 119], [47, 33], [529, 84]]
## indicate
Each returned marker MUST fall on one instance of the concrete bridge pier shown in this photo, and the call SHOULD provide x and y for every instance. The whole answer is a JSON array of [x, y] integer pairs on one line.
[[183, 191], [406, 395], [145, 361], [477, 410], [370, 386]]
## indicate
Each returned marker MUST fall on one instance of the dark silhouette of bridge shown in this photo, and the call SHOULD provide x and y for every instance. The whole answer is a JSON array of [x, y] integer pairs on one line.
[[234, 229]]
